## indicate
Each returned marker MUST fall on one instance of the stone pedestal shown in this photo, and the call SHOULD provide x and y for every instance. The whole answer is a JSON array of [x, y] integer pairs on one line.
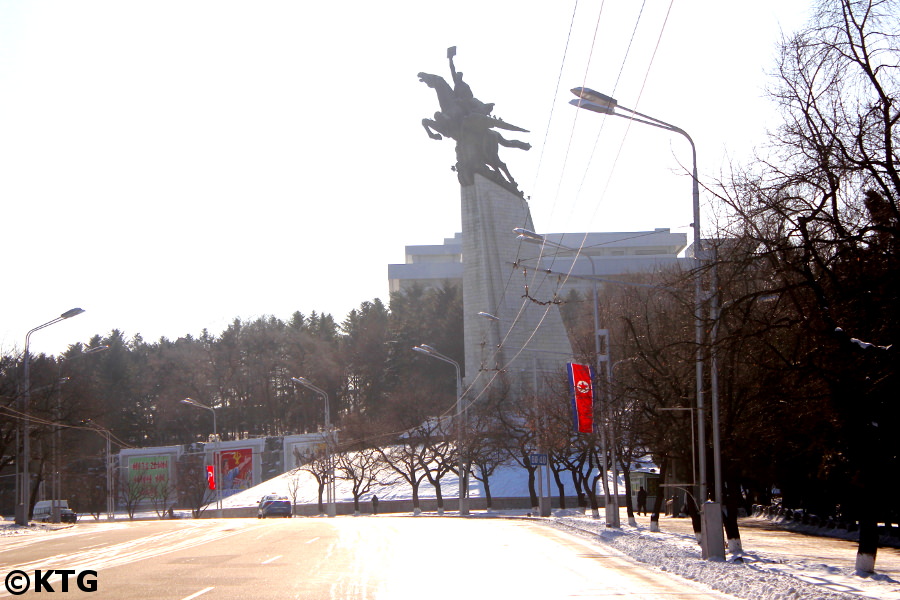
[[498, 270]]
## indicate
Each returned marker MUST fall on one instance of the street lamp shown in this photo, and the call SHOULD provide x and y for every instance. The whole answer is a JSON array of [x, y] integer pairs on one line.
[[110, 500], [23, 508], [603, 104], [611, 502], [329, 486], [217, 455], [463, 471], [56, 479]]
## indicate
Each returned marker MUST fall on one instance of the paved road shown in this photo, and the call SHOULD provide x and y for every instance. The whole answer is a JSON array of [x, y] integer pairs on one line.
[[358, 558]]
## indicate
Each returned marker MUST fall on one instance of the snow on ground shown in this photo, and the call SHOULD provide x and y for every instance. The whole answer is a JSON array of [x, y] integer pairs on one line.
[[507, 482], [8, 528], [752, 576], [756, 576]]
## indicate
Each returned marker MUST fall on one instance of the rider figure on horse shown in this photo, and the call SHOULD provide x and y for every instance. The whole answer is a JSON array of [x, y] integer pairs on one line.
[[468, 120]]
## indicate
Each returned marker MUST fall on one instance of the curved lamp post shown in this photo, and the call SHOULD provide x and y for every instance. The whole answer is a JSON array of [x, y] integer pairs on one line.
[[601, 103], [23, 506], [329, 484], [463, 471], [218, 454]]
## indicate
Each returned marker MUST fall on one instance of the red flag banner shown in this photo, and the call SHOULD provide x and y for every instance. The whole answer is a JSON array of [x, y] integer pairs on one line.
[[211, 477], [581, 379]]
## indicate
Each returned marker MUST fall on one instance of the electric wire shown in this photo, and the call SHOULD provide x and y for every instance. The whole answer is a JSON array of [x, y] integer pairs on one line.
[[621, 145], [525, 303], [562, 64], [573, 129], [563, 280], [535, 272], [21, 416], [558, 188], [468, 401], [555, 201]]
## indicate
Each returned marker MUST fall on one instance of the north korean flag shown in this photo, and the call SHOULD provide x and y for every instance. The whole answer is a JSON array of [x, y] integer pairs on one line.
[[581, 379]]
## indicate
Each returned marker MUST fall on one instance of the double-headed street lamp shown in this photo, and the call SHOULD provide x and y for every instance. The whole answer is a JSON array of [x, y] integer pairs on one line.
[[217, 457], [329, 484], [607, 105], [23, 482], [463, 471]]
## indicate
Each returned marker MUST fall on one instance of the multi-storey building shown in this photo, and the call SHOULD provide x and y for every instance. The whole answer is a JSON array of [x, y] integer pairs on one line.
[[613, 254]]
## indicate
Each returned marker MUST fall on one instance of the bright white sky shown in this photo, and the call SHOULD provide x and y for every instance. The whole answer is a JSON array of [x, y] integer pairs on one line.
[[172, 165]]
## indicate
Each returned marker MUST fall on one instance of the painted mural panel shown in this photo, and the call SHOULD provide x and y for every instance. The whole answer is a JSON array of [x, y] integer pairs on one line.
[[305, 452], [236, 467]]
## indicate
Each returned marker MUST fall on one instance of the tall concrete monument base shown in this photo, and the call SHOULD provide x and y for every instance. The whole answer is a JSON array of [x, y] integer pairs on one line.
[[526, 341]]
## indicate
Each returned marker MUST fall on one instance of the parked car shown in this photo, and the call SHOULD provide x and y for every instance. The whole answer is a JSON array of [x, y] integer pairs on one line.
[[43, 511], [274, 505]]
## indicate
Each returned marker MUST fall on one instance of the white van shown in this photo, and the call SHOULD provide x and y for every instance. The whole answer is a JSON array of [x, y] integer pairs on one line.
[[43, 511]]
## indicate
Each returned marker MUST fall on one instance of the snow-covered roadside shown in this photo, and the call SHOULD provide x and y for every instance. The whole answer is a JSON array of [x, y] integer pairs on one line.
[[766, 575], [8, 528], [756, 577]]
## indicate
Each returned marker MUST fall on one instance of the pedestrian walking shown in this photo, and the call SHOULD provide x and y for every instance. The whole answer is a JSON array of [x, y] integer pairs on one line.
[[642, 501], [374, 504]]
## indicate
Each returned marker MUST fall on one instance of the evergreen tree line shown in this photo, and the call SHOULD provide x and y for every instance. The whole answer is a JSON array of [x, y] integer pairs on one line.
[[134, 389]]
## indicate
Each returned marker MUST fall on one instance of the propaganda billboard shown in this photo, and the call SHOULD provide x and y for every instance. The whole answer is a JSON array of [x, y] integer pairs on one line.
[[305, 452], [236, 468], [149, 472]]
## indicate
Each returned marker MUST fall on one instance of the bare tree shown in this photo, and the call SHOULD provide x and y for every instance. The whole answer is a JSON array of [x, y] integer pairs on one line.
[[822, 212], [160, 495], [193, 485], [362, 468], [316, 463], [484, 448], [405, 460], [439, 454], [85, 481], [132, 492], [557, 434], [519, 420], [294, 488]]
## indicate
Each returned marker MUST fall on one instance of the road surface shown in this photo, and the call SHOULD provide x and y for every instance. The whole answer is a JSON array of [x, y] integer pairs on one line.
[[392, 558]]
